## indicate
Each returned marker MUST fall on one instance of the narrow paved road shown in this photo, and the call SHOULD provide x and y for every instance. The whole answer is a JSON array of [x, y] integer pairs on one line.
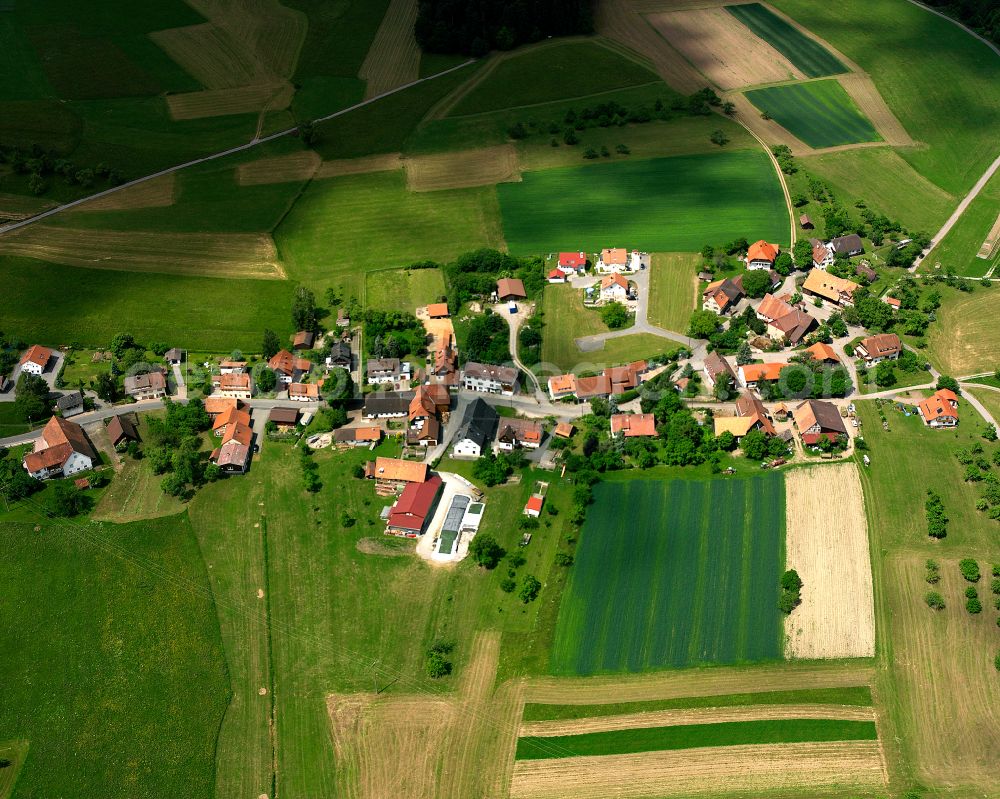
[[205, 159]]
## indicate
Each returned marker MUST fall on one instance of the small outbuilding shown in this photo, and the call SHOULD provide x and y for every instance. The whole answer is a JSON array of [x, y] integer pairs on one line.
[[510, 288]]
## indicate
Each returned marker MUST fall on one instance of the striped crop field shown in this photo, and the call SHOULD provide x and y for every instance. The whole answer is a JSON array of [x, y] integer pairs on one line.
[[807, 54], [691, 736], [687, 575], [821, 113], [672, 204]]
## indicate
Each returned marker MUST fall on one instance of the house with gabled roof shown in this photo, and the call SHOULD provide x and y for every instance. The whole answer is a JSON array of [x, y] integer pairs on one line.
[[513, 433], [940, 409], [556, 276], [792, 326], [816, 419], [235, 385], [414, 508], [35, 360], [121, 430], [61, 450], [233, 454], [572, 262], [303, 340], [489, 379], [232, 416], [823, 353], [70, 404], [762, 255], [476, 431], [303, 392], [837, 290], [614, 287], [613, 259], [878, 348], [510, 288], [750, 374], [722, 296], [151, 385], [289, 368], [633, 425], [717, 367]]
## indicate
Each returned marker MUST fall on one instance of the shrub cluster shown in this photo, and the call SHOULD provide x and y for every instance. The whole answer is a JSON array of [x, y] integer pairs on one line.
[[937, 522], [791, 591]]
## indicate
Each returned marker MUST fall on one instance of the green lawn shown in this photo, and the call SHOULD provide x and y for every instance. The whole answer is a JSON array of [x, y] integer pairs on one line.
[[821, 113], [342, 227], [664, 204], [943, 85], [856, 696], [403, 289], [688, 575], [113, 674], [338, 36], [690, 736], [11, 424], [807, 54], [672, 289], [903, 380], [958, 250], [15, 753], [184, 311], [549, 72]]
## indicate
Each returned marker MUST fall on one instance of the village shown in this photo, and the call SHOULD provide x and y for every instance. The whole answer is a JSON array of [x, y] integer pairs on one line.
[[447, 406]]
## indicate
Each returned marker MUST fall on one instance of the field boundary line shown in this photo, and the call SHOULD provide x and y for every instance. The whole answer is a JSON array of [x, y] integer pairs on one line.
[[222, 154], [563, 100], [959, 24]]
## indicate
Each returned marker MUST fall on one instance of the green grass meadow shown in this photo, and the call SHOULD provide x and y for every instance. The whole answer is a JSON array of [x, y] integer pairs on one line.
[[184, 311], [663, 204], [342, 227], [855, 696], [115, 676], [687, 575], [805, 53], [691, 736], [819, 112], [403, 289], [958, 250], [550, 72]]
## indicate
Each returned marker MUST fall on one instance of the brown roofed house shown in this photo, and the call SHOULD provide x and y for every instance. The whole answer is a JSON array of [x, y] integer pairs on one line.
[[148, 386], [393, 471], [121, 431], [303, 340], [510, 288], [513, 433], [878, 348], [829, 287], [61, 450], [284, 417], [34, 361], [723, 296], [792, 326], [816, 418], [715, 367]]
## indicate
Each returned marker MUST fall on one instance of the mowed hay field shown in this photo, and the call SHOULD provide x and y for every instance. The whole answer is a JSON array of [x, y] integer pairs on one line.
[[804, 52], [394, 57], [718, 46], [829, 550], [663, 204], [966, 338], [673, 289], [462, 169], [947, 703], [688, 574], [342, 227], [820, 113]]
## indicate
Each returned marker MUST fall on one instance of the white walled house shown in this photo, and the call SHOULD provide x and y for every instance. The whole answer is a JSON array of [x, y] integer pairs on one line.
[[62, 450], [34, 361]]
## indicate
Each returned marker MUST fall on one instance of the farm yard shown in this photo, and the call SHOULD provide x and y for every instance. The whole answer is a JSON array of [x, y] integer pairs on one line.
[[820, 113], [689, 575], [703, 197]]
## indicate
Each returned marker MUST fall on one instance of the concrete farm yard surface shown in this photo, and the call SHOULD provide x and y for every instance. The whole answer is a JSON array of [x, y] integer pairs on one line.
[[687, 575]]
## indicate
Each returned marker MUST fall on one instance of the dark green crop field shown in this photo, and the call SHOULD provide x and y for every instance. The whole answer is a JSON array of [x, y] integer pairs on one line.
[[671, 204], [690, 736], [821, 113], [687, 575], [805, 53]]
